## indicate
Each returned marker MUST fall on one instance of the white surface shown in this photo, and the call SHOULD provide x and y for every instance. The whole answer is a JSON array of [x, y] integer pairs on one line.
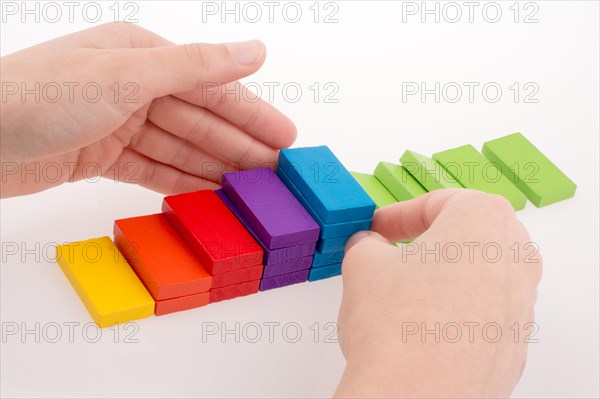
[[368, 54]]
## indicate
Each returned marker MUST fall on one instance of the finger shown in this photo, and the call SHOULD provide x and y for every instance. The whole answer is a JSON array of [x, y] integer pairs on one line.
[[211, 133], [157, 176], [409, 219], [166, 148], [235, 103], [160, 71], [115, 35], [363, 237]]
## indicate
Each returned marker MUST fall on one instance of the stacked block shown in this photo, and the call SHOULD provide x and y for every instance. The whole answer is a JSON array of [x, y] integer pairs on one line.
[[264, 230], [278, 222], [169, 270], [330, 194], [218, 239]]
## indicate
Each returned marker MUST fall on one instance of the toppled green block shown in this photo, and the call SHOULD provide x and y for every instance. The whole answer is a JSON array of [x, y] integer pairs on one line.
[[530, 170], [375, 189], [472, 170], [398, 181], [428, 172]]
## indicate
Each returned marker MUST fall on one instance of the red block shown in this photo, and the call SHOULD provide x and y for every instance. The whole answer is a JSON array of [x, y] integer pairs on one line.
[[237, 276], [182, 303], [160, 258], [213, 233], [234, 291]]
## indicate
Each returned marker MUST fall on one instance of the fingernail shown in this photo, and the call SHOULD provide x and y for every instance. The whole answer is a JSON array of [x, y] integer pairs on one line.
[[246, 53]]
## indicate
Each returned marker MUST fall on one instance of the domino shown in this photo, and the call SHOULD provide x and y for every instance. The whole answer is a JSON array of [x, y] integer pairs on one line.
[[105, 283], [428, 172], [233, 291], [332, 245], [333, 230], [237, 276], [213, 233], [182, 303], [277, 269], [398, 181], [276, 216], [160, 258], [320, 259], [321, 273], [469, 167], [271, 256], [334, 195], [530, 170], [375, 189], [284, 280]]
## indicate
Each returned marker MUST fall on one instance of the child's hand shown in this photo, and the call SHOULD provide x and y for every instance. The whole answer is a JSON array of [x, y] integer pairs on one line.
[[393, 299], [125, 103]]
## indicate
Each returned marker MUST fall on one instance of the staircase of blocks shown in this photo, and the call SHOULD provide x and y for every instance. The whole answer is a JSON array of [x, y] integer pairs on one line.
[[264, 230]]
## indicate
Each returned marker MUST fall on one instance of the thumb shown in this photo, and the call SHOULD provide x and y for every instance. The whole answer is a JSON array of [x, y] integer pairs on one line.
[[364, 236], [160, 71]]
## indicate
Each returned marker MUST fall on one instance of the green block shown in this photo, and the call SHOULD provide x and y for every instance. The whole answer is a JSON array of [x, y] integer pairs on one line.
[[534, 174], [398, 181], [375, 189], [428, 172], [471, 169]]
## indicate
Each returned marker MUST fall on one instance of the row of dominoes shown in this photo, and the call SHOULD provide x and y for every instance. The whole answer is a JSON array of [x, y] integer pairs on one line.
[[264, 230]]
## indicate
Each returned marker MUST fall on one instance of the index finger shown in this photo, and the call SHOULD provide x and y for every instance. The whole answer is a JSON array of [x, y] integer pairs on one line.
[[238, 105]]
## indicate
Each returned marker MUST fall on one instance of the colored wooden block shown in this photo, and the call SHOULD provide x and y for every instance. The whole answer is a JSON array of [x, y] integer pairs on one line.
[[530, 170], [428, 172], [277, 269], [321, 273], [233, 291], [375, 189], [327, 186], [237, 276], [160, 258], [398, 181], [473, 170], [106, 284], [213, 233], [320, 259], [291, 252], [284, 280], [332, 230], [276, 216], [181, 303], [332, 245]]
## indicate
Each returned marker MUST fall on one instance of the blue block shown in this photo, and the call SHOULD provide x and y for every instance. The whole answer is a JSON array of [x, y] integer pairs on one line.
[[326, 184], [321, 259], [321, 273], [334, 230], [332, 244]]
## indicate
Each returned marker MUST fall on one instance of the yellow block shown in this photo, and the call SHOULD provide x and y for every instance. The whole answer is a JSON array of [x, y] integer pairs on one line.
[[108, 287]]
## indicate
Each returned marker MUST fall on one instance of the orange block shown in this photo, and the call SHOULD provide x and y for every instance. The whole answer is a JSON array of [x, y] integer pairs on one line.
[[182, 303], [234, 291], [237, 276], [160, 258]]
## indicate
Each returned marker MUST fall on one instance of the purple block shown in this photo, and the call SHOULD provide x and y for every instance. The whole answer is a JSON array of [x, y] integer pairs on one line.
[[288, 254], [277, 269], [291, 253], [276, 216], [284, 280]]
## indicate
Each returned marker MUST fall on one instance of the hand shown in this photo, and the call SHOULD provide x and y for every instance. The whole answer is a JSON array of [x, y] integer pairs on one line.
[[163, 119], [392, 295]]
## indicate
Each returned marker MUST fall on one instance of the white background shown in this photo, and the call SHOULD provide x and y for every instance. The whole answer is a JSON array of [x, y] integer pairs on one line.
[[368, 53]]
